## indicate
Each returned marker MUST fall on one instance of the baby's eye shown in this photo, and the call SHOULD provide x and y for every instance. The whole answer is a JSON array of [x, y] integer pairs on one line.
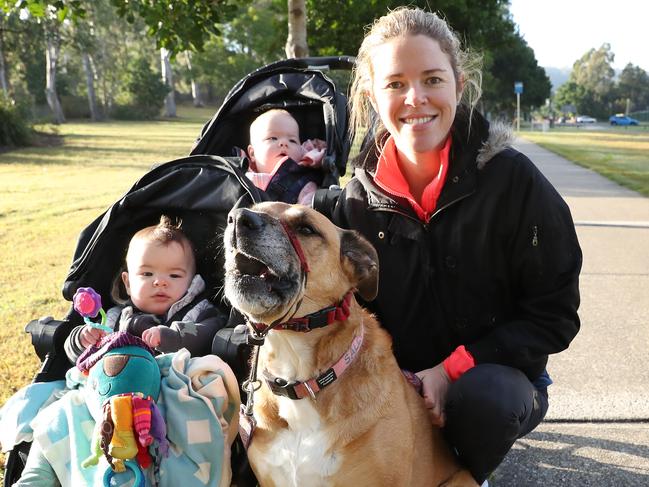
[[293, 141], [176, 276], [146, 274], [273, 139]]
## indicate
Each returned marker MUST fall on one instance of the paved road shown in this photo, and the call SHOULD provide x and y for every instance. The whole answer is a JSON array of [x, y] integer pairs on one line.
[[597, 429]]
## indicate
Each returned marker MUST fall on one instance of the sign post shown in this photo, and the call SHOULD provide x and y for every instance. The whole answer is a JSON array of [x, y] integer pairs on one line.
[[518, 89]]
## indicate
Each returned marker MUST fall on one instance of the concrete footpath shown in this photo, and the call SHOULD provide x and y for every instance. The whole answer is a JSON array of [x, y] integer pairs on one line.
[[597, 429]]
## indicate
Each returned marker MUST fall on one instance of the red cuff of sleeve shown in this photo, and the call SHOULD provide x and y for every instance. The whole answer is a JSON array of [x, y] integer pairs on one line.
[[458, 363]]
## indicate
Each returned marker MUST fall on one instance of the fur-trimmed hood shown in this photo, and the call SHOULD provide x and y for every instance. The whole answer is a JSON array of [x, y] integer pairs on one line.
[[500, 138]]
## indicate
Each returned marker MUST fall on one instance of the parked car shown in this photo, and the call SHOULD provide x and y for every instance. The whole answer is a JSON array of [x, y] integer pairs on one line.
[[621, 119], [586, 119]]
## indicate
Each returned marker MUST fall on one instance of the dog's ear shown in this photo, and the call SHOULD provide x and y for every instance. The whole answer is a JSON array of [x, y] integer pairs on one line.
[[361, 262]]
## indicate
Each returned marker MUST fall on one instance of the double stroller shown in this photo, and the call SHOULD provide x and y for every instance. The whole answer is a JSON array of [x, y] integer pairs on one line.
[[200, 189]]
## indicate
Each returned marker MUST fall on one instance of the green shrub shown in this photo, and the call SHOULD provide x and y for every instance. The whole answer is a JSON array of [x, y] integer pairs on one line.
[[14, 130], [75, 106], [144, 93], [126, 112]]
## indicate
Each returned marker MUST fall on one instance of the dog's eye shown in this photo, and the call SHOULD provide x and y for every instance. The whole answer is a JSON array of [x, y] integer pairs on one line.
[[306, 229]]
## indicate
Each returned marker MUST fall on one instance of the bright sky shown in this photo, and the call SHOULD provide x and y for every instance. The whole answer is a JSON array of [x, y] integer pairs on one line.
[[561, 31]]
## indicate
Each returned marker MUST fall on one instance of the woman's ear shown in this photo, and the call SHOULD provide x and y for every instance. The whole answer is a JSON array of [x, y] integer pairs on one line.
[[370, 98], [460, 87]]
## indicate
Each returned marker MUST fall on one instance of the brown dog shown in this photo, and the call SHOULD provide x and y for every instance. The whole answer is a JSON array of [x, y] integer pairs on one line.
[[333, 408]]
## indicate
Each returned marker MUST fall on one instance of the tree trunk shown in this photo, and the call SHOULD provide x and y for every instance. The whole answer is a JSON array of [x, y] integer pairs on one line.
[[168, 79], [196, 88], [296, 45], [3, 69], [51, 58], [90, 86]]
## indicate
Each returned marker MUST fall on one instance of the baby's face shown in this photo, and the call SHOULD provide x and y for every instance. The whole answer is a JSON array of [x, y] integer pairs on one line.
[[272, 138], [158, 275]]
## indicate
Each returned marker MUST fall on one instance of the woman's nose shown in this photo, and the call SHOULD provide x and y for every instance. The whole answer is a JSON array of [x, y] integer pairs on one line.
[[415, 95]]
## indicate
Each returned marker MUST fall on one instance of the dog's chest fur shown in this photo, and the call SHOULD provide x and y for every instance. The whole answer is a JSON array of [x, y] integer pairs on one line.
[[302, 453]]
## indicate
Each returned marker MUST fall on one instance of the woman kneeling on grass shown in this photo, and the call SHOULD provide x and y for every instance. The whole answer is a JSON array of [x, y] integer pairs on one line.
[[479, 259]]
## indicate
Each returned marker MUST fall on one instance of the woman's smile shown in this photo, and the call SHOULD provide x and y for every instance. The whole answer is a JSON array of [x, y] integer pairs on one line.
[[415, 93]]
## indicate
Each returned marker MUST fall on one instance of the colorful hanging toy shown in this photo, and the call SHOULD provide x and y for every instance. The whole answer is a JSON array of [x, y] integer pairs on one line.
[[125, 379], [87, 303]]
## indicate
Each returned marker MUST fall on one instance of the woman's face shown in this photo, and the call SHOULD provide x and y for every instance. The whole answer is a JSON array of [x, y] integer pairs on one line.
[[415, 93]]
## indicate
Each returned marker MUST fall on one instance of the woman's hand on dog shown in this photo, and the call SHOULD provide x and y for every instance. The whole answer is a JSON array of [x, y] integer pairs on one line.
[[435, 384]]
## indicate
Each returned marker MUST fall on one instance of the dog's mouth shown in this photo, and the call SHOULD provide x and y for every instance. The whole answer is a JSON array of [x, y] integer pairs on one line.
[[252, 269]]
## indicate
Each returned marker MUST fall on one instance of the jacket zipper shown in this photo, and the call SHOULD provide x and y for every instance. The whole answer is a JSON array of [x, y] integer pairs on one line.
[[395, 209]]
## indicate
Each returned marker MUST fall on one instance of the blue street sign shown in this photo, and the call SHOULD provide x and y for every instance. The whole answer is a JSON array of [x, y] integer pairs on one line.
[[518, 87]]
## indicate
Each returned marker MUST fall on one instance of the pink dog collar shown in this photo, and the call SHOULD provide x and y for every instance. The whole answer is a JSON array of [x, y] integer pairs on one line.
[[300, 390]]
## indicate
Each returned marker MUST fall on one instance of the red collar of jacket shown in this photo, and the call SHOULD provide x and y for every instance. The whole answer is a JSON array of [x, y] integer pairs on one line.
[[390, 178]]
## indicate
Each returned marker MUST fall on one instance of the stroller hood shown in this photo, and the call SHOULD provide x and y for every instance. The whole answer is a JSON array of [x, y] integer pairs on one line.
[[199, 190], [297, 85]]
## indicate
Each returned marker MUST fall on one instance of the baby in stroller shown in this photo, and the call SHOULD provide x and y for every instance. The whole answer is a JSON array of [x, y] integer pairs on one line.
[[279, 164], [200, 190], [168, 308]]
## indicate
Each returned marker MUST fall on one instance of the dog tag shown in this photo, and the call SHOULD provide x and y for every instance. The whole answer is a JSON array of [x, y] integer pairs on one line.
[[247, 425]]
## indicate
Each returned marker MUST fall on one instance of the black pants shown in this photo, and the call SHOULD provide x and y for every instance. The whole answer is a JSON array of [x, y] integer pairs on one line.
[[487, 410]]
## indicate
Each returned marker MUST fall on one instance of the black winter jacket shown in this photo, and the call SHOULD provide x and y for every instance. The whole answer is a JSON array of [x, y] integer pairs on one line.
[[495, 269]]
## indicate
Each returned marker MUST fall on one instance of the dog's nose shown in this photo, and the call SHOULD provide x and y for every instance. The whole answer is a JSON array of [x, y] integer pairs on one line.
[[243, 217]]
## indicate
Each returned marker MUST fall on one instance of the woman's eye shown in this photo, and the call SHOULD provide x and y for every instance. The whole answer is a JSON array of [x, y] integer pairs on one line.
[[394, 85], [433, 80]]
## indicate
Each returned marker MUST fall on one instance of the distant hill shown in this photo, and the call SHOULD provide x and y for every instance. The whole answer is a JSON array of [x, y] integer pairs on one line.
[[558, 76]]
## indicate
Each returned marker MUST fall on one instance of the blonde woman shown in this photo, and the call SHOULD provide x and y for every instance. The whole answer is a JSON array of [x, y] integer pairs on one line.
[[479, 259]]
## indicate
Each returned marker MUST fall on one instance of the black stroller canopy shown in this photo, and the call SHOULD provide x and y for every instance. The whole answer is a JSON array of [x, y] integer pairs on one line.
[[297, 85], [199, 190]]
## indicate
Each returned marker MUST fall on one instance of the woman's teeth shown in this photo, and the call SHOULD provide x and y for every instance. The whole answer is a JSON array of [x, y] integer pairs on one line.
[[418, 120]]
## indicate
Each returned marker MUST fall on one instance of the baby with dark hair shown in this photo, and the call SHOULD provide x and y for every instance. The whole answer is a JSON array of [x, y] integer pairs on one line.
[[166, 307]]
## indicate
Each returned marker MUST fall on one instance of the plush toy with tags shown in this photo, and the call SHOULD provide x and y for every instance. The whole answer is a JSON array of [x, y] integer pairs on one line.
[[124, 382]]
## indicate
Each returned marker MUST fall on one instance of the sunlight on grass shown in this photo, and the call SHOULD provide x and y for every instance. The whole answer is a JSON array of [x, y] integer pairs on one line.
[[47, 196], [619, 154]]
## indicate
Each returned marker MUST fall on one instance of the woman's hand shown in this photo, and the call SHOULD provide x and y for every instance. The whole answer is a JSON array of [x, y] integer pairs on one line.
[[435, 384]]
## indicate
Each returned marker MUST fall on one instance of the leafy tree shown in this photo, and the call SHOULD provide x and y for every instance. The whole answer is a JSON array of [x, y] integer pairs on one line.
[[144, 93], [254, 37], [177, 25], [513, 62], [337, 28], [594, 75], [633, 84]]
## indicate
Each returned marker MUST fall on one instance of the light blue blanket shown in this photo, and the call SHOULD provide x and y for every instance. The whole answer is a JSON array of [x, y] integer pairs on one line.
[[199, 400]]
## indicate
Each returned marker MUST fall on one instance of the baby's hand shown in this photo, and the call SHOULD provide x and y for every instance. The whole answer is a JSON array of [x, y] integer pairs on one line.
[[90, 335], [152, 336]]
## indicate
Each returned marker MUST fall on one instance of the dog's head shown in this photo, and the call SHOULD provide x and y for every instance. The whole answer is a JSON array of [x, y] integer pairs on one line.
[[265, 277]]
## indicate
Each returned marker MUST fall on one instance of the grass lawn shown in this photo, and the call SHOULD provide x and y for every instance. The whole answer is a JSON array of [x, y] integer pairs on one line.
[[619, 153], [47, 195]]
